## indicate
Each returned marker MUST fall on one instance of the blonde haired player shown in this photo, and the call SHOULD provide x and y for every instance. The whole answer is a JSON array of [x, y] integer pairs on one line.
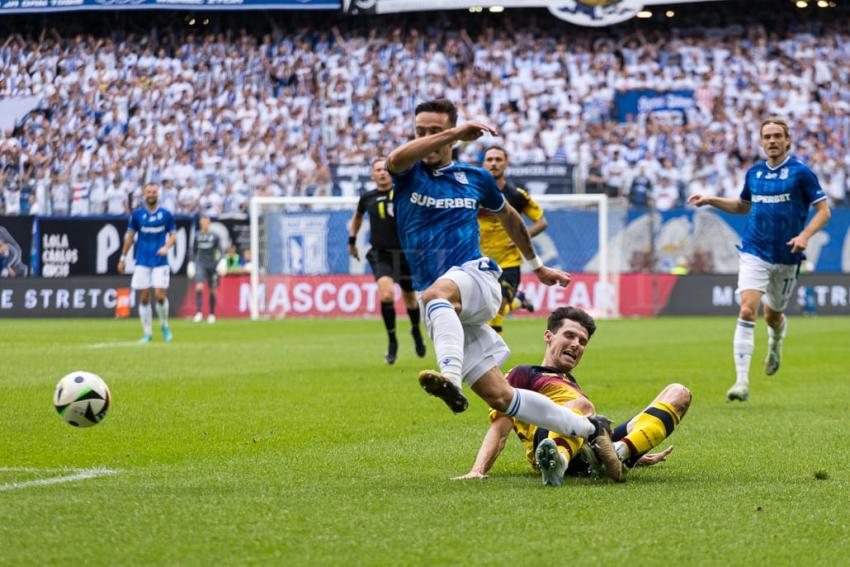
[[495, 242], [568, 331], [777, 195]]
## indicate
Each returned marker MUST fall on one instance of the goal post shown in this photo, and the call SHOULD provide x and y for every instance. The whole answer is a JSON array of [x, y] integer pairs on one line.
[[306, 237]]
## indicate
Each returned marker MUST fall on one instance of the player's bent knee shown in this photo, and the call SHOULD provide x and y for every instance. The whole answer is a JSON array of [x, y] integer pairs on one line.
[[746, 314], [438, 291], [679, 397]]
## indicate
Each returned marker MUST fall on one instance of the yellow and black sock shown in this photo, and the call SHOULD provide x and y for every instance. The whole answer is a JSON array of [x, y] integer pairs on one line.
[[651, 427]]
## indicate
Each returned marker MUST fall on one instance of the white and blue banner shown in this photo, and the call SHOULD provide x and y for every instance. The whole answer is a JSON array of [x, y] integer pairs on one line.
[[313, 243], [47, 6], [632, 104]]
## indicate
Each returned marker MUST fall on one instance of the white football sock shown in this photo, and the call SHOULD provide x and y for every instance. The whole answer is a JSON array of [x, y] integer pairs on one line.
[[622, 450], [162, 312], [446, 331], [531, 407], [146, 317], [743, 344], [775, 336]]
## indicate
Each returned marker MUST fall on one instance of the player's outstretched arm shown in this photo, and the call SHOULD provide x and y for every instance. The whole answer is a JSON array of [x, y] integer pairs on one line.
[[819, 220], [733, 206], [405, 156], [491, 448], [518, 233]]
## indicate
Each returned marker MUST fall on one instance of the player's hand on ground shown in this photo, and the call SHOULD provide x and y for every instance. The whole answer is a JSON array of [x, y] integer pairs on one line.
[[472, 475], [352, 251], [473, 130], [654, 458], [798, 243], [698, 200], [162, 251], [551, 276]]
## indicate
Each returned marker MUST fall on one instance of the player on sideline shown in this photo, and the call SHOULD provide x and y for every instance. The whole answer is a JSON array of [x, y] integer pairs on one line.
[[495, 242], [386, 257], [568, 331], [153, 230], [777, 195], [436, 205], [206, 253]]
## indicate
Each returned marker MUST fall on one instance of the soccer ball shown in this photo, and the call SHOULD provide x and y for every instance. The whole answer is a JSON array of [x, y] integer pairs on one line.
[[82, 399]]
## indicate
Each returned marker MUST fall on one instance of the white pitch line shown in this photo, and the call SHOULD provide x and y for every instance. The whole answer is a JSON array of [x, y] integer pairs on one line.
[[81, 474], [113, 344]]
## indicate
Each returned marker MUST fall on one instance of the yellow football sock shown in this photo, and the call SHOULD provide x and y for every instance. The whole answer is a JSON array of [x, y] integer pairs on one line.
[[569, 446], [651, 427]]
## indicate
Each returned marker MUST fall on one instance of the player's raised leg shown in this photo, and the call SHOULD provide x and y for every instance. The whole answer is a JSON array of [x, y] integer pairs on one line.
[[532, 407], [646, 430], [777, 324], [782, 282], [442, 321]]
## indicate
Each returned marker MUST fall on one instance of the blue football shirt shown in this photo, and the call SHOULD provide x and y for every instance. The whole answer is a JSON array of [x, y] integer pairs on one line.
[[780, 198], [437, 216], [152, 229]]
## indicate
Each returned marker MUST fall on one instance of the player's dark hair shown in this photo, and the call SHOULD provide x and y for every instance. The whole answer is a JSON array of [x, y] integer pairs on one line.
[[556, 319], [497, 147], [441, 105]]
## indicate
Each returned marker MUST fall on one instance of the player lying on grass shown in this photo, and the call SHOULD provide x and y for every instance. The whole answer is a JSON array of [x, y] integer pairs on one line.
[[568, 331]]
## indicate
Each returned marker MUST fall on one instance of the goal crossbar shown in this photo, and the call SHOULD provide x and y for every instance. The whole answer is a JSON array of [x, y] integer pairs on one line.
[[607, 309]]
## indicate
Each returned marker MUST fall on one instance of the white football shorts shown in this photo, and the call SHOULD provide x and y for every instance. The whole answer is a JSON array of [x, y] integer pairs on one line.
[[480, 298], [776, 281], [146, 277]]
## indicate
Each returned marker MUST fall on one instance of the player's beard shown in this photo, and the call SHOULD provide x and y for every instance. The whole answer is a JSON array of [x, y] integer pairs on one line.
[[151, 202]]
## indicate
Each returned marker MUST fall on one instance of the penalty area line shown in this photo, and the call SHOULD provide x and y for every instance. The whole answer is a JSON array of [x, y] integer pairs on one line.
[[80, 474]]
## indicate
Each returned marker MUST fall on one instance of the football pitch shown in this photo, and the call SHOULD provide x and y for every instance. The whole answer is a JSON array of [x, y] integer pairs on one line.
[[291, 443]]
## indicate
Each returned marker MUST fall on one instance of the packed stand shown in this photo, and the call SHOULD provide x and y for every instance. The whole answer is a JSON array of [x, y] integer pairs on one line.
[[217, 117]]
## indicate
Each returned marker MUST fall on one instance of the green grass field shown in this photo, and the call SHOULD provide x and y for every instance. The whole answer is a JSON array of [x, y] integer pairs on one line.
[[290, 442]]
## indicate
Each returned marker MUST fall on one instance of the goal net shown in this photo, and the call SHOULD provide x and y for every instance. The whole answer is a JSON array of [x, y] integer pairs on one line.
[[301, 266]]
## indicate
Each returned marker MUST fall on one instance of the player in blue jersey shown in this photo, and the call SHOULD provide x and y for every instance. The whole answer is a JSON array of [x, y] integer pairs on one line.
[[152, 229], [436, 203], [777, 195]]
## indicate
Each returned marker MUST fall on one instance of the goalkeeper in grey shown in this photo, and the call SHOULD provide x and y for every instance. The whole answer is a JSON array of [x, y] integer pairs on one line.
[[206, 255]]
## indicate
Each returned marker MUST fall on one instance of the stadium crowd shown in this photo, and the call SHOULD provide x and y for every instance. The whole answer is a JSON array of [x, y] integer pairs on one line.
[[216, 117]]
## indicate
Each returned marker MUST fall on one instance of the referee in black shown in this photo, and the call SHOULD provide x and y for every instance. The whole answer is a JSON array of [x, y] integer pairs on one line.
[[386, 257]]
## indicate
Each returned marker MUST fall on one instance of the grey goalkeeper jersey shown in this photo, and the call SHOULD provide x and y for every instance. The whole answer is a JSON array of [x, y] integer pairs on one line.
[[207, 249]]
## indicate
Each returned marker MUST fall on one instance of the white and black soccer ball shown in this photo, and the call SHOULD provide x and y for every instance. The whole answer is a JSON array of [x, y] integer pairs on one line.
[[82, 399]]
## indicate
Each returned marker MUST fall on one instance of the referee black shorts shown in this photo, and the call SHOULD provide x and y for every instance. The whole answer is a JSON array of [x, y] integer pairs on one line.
[[509, 282], [392, 263]]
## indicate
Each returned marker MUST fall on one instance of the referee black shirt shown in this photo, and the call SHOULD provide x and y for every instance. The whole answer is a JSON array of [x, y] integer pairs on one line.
[[383, 234]]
